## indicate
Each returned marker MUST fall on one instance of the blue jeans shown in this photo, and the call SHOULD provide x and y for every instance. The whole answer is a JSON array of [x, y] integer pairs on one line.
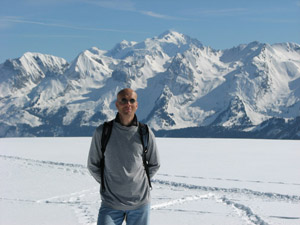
[[109, 216]]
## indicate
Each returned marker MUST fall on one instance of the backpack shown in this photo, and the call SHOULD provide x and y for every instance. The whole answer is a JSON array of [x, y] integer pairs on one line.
[[106, 132]]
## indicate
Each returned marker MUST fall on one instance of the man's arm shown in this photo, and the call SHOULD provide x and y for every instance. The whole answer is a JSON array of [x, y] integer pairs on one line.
[[152, 155], [95, 155]]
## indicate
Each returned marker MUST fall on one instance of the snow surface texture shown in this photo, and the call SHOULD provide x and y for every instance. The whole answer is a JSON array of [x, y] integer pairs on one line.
[[181, 84], [201, 181]]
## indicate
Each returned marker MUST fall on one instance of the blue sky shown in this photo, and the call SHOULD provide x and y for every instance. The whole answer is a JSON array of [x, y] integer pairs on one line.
[[65, 28]]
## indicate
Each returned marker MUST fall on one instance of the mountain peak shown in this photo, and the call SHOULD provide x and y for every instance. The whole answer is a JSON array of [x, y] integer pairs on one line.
[[172, 42], [120, 50], [170, 34], [96, 51]]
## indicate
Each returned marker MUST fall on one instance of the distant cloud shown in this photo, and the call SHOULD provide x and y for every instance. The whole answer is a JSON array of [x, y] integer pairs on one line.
[[160, 16], [4, 24], [152, 14], [129, 6], [54, 36], [6, 20], [125, 5], [217, 12], [272, 20], [225, 11]]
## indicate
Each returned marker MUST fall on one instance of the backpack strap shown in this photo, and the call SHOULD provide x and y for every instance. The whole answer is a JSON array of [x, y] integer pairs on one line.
[[144, 133], [106, 132]]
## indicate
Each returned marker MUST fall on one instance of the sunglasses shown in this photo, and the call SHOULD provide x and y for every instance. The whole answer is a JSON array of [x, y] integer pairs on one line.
[[125, 101]]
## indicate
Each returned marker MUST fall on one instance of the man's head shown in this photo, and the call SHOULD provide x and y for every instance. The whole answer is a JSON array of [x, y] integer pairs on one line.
[[127, 102]]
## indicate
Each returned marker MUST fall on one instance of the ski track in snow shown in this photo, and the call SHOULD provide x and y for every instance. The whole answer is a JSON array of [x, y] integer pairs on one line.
[[232, 180], [245, 211], [85, 203], [273, 196]]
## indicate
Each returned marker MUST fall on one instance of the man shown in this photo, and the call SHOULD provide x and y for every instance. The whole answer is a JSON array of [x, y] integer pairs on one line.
[[127, 192]]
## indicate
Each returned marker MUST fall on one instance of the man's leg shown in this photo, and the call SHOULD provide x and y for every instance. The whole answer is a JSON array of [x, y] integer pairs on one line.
[[108, 216], [139, 216]]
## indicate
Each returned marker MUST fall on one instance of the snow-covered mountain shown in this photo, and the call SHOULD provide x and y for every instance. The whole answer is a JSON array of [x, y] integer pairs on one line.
[[184, 89]]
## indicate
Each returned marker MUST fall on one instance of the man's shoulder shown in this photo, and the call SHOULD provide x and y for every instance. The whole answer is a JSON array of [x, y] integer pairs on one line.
[[140, 124], [147, 130], [106, 123]]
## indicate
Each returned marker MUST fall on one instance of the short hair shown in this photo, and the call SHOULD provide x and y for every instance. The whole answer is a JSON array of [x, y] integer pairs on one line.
[[125, 91]]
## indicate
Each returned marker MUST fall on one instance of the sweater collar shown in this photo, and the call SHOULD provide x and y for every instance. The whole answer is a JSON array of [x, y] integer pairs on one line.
[[134, 122]]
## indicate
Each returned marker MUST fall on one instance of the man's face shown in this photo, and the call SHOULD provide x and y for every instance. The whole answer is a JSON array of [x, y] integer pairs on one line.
[[127, 103]]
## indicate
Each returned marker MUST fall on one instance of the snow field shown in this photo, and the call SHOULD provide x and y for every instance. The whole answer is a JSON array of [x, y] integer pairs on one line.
[[201, 181]]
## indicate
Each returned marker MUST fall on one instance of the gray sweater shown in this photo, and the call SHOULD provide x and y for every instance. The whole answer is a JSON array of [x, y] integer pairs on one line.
[[126, 184]]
